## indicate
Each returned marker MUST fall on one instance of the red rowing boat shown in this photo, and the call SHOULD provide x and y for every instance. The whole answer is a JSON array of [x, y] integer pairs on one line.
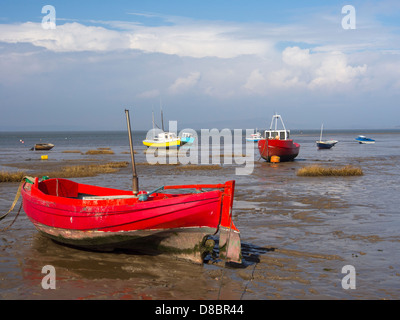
[[277, 143], [101, 218]]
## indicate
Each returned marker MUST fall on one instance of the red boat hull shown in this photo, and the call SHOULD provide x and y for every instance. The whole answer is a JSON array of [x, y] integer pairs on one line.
[[286, 150], [103, 218]]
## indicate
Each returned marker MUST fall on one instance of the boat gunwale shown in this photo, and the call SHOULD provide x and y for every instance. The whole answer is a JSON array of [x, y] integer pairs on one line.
[[39, 196]]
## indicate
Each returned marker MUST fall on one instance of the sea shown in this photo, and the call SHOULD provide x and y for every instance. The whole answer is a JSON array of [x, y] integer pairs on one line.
[[303, 238]]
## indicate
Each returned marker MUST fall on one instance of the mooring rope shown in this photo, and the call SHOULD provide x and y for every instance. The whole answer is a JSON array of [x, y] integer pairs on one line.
[[15, 219], [248, 282], [261, 153], [226, 255], [24, 179]]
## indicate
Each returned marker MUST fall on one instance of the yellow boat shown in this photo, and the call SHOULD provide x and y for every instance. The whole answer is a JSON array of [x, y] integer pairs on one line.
[[163, 140]]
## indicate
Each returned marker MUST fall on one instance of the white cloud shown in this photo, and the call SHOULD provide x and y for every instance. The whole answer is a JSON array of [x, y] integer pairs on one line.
[[193, 40], [299, 68], [294, 56], [184, 83], [334, 69], [69, 37], [196, 41], [256, 82]]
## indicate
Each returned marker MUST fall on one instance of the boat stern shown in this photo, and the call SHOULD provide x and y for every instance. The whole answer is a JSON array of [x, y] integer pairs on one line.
[[229, 235]]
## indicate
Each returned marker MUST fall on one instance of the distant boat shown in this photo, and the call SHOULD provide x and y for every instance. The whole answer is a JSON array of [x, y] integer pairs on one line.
[[43, 146], [186, 138], [365, 140], [254, 137], [326, 144], [277, 143], [163, 139]]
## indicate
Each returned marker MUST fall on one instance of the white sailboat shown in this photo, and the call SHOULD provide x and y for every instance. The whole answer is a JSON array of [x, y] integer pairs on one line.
[[325, 144]]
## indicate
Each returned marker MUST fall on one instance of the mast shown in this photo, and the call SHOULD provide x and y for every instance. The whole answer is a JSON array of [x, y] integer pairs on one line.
[[320, 137], [135, 180], [162, 121], [162, 117]]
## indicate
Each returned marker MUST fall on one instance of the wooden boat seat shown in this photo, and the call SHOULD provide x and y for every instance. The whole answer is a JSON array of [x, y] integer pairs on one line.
[[59, 188]]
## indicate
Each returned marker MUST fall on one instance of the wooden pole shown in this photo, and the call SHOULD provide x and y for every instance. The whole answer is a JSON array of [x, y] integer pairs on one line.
[[135, 180]]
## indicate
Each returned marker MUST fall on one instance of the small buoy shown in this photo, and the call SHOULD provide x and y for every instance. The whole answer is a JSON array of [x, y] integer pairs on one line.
[[44, 157], [275, 159]]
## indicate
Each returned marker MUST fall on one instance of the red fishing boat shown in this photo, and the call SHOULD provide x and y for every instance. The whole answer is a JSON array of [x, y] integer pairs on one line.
[[277, 143], [101, 218]]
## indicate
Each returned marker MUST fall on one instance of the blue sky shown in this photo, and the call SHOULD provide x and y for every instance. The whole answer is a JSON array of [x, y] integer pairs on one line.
[[210, 64]]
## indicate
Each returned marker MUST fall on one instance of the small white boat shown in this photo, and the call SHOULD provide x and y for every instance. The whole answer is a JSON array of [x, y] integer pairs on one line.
[[254, 137], [163, 139], [187, 138]]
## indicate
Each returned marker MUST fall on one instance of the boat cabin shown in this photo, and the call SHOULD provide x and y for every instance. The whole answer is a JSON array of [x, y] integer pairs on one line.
[[186, 135], [165, 136], [274, 133], [277, 134]]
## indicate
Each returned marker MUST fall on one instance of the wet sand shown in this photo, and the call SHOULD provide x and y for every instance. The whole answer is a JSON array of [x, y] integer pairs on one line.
[[297, 233]]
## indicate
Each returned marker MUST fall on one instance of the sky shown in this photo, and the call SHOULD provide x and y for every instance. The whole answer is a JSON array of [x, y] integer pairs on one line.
[[77, 65]]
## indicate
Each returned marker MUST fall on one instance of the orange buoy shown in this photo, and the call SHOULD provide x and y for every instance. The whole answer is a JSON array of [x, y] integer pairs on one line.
[[275, 159], [44, 157]]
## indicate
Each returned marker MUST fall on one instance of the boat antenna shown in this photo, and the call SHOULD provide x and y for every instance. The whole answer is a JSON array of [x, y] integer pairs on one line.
[[154, 123], [162, 117], [135, 180]]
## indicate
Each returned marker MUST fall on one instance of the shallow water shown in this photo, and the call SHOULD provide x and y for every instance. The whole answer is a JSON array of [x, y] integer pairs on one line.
[[297, 233]]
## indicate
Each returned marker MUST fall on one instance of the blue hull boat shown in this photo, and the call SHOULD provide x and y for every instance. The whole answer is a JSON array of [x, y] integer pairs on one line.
[[364, 140], [327, 144], [187, 138], [255, 137]]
